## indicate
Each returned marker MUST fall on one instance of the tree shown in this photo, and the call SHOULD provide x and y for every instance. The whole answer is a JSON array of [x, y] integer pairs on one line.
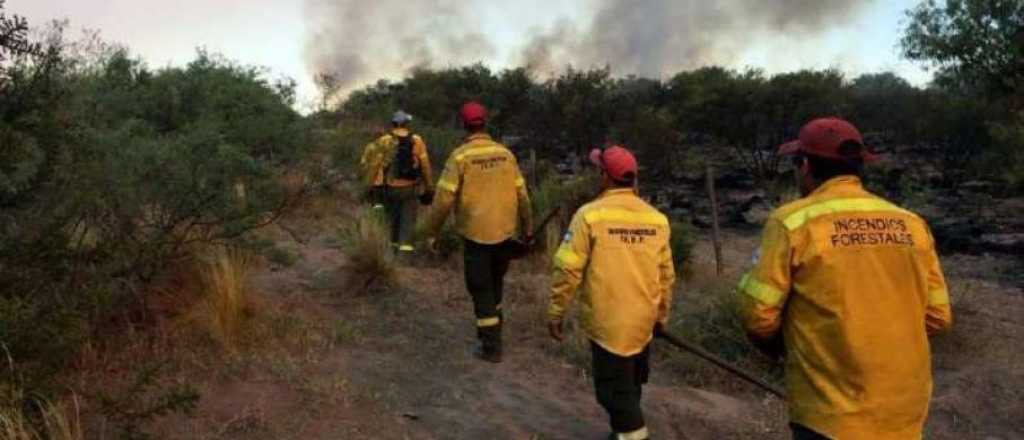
[[886, 104], [978, 48], [14, 39], [974, 44]]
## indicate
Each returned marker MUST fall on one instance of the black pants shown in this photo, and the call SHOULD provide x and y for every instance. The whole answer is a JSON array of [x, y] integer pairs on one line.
[[618, 382], [485, 269], [801, 432], [402, 205]]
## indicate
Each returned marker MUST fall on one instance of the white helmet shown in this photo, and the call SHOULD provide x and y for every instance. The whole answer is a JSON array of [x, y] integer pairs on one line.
[[401, 117]]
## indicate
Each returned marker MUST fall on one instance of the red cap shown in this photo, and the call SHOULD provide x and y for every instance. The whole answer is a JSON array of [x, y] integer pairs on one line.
[[824, 137], [473, 113], [617, 161]]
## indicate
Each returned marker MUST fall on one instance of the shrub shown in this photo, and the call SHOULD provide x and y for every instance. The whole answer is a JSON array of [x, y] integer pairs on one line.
[[112, 171], [1007, 161], [684, 237]]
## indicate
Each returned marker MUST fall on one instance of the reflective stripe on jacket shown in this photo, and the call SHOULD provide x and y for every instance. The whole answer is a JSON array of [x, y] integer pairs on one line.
[[618, 248], [854, 284], [379, 153], [482, 181]]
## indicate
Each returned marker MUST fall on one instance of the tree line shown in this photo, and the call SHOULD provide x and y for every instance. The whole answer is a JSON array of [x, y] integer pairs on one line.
[[967, 122]]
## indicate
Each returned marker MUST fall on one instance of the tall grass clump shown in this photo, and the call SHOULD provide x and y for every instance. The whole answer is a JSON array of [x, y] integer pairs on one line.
[[55, 423], [223, 274], [367, 241], [27, 418]]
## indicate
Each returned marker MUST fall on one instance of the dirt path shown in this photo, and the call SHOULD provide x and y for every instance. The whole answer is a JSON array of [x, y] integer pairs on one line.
[[408, 372], [415, 352]]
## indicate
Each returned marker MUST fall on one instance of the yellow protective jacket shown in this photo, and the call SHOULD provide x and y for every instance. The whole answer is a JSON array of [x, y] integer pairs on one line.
[[618, 248], [377, 155], [482, 181], [853, 283]]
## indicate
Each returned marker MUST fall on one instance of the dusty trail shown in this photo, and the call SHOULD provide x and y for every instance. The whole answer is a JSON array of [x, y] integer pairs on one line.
[[409, 370], [417, 349]]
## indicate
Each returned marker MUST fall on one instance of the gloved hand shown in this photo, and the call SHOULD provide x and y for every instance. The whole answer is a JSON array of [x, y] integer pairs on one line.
[[427, 197]]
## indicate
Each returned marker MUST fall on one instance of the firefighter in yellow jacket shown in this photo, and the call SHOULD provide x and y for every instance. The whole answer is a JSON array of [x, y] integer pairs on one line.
[[848, 287], [395, 166], [483, 184], [618, 249]]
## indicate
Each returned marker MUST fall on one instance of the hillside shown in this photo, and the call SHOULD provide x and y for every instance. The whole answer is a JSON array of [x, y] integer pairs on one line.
[[326, 359]]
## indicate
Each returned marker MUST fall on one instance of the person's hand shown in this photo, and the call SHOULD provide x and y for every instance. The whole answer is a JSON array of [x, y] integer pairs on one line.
[[432, 246], [555, 330]]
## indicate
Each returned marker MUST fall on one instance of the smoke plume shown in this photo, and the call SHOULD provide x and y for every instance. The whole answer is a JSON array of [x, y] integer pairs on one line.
[[654, 38], [360, 41]]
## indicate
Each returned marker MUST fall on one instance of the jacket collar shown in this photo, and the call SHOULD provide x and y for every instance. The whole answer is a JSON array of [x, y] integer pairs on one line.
[[478, 136], [840, 182], [616, 192]]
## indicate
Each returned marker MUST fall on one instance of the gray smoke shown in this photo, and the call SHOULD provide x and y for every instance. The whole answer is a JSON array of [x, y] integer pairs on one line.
[[654, 38], [361, 41]]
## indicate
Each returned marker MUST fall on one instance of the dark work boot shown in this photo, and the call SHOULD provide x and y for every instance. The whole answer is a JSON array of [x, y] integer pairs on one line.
[[484, 354], [490, 344]]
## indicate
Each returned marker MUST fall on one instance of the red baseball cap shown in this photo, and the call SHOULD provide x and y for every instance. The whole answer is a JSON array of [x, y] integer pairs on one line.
[[825, 137], [617, 161], [473, 113]]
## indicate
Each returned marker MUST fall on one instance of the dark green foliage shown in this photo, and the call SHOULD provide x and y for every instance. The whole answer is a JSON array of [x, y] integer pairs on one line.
[[111, 171], [978, 48], [684, 237], [143, 400], [977, 45]]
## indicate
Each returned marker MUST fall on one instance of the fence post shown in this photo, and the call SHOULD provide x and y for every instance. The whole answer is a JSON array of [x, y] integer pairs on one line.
[[715, 231]]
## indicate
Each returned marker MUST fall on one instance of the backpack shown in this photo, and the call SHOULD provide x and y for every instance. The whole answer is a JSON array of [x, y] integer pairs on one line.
[[403, 165]]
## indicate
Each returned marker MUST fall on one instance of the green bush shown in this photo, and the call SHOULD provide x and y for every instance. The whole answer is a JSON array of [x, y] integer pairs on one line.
[[112, 170], [684, 237], [1007, 160]]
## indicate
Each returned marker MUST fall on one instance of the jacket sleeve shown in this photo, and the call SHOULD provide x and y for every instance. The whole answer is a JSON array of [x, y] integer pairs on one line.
[[569, 263], [525, 208], [763, 291], [447, 189], [667, 279], [939, 313], [426, 170]]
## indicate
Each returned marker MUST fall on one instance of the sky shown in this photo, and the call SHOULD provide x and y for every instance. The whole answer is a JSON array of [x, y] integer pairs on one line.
[[278, 34]]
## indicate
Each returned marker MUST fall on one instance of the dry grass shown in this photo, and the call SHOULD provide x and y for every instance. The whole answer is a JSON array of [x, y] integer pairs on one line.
[[367, 242], [42, 420], [222, 272]]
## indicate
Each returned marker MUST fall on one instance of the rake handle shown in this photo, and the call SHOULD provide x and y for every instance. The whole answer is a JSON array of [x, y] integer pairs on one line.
[[721, 363]]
